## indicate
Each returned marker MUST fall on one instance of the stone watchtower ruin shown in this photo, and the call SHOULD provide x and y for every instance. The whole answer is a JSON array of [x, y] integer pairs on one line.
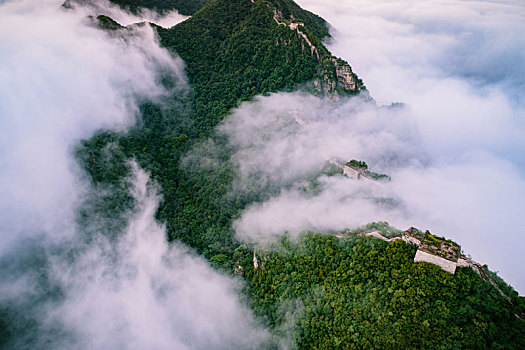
[[435, 250], [352, 172]]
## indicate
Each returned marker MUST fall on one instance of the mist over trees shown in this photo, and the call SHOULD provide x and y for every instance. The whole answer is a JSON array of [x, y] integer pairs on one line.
[[301, 289]]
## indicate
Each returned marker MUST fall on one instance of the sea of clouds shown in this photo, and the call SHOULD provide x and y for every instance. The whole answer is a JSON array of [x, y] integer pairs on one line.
[[61, 80], [454, 148]]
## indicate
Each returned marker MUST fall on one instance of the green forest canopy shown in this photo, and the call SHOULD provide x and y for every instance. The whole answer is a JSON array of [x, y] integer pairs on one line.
[[354, 292]]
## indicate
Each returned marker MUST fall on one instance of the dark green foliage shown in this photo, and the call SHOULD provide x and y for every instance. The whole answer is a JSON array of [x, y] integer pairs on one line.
[[110, 198], [351, 293], [360, 292], [234, 50], [18, 327], [184, 7], [107, 23], [357, 164]]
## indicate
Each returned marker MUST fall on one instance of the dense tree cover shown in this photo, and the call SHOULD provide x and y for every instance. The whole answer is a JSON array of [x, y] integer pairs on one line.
[[357, 164], [184, 7], [233, 51], [360, 292], [354, 292], [108, 23]]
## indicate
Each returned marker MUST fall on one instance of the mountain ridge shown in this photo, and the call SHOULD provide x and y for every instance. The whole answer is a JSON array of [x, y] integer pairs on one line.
[[354, 290], [238, 43]]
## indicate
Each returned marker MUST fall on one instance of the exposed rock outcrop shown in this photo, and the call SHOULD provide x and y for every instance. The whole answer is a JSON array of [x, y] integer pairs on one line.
[[334, 75]]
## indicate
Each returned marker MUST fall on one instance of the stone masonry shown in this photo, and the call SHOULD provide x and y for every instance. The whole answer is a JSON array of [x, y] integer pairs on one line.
[[447, 265]]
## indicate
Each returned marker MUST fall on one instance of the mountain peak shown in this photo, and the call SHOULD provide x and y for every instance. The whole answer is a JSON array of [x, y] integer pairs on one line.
[[237, 49]]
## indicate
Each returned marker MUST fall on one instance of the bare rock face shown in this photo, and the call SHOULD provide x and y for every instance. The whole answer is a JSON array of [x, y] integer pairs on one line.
[[345, 76], [335, 77]]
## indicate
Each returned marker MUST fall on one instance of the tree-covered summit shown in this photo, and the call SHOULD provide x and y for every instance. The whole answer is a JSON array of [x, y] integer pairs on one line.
[[236, 49]]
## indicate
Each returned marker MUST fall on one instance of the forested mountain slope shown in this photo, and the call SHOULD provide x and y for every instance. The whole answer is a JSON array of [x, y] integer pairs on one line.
[[236, 49], [320, 292], [360, 292]]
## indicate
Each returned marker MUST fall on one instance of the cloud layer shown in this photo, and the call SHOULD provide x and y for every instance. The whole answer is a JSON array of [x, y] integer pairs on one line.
[[454, 150], [457, 64], [61, 80], [138, 292], [105, 7]]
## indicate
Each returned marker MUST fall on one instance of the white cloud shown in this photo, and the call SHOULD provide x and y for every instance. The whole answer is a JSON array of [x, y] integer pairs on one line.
[[474, 196], [459, 66], [267, 129], [454, 151], [105, 7], [61, 80], [142, 293]]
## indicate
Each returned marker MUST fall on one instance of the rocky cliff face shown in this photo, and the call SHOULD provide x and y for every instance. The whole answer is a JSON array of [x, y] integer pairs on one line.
[[335, 77]]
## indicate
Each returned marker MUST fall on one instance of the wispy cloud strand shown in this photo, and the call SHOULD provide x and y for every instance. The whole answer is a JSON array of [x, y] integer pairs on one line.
[[454, 149]]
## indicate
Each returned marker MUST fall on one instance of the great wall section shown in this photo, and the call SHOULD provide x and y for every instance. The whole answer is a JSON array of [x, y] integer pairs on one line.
[[447, 255], [438, 251]]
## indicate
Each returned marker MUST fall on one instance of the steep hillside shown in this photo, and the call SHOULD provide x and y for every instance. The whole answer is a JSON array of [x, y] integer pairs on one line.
[[320, 292], [233, 51], [363, 293], [237, 49]]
